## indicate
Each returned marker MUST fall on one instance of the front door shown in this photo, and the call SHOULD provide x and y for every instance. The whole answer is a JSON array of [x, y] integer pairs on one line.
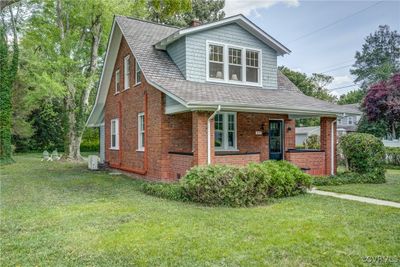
[[275, 140]]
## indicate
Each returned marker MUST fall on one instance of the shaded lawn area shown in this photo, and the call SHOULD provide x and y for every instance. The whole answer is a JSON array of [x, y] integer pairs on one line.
[[56, 213], [387, 191]]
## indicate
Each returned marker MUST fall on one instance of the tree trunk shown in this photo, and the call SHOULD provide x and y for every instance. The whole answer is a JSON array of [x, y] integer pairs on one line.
[[393, 130]]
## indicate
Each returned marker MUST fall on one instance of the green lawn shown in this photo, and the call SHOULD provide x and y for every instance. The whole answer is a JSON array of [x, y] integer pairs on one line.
[[387, 191], [56, 214]]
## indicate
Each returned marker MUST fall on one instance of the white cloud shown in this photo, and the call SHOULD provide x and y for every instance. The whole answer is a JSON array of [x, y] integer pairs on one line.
[[246, 7]]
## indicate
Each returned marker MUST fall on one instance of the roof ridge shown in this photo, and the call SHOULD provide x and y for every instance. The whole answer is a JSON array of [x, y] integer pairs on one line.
[[148, 21]]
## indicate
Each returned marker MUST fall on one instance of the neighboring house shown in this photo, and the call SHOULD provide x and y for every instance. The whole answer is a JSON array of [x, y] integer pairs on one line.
[[303, 132], [346, 123], [171, 98]]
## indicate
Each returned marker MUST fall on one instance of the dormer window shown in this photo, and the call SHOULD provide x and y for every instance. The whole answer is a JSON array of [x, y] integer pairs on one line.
[[233, 64], [216, 62]]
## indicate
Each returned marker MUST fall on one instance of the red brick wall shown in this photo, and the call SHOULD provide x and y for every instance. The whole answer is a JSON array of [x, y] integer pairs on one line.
[[239, 160], [180, 126], [315, 161], [179, 165]]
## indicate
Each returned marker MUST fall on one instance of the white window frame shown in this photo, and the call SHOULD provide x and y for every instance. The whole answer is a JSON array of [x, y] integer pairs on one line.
[[117, 81], [225, 146], [226, 64], [350, 119], [141, 130], [116, 133], [137, 70], [127, 71]]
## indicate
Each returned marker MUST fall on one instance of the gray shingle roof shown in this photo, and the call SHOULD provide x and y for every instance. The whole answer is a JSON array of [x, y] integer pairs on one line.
[[160, 70]]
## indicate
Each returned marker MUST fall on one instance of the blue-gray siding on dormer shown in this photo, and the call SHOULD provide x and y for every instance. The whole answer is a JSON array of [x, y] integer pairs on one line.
[[177, 52], [195, 69]]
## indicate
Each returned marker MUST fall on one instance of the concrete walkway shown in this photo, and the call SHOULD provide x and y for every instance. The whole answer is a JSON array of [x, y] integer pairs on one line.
[[356, 198]]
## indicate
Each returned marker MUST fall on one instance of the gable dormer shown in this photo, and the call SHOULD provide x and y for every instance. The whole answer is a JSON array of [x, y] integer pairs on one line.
[[232, 51]]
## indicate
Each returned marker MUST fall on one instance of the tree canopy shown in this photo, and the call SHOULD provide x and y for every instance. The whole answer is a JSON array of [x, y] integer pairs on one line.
[[379, 57], [382, 102]]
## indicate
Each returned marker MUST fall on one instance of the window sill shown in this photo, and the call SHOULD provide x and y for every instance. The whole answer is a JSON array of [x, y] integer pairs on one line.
[[136, 84], [117, 93], [227, 150], [125, 89], [139, 150], [114, 148]]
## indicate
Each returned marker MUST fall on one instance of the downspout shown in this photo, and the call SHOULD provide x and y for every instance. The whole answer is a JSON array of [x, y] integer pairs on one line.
[[119, 166], [209, 134], [332, 147]]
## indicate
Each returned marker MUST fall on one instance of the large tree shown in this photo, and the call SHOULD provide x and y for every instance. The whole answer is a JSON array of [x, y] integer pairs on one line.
[[9, 55], [182, 12], [382, 102], [352, 97], [379, 57], [64, 42]]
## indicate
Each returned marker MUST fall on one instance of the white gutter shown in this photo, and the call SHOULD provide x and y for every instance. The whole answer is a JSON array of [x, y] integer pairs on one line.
[[332, 147], [209, 134]]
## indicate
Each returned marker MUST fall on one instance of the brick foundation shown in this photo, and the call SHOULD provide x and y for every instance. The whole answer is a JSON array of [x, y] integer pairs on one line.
[[313, 162], [238, 160]]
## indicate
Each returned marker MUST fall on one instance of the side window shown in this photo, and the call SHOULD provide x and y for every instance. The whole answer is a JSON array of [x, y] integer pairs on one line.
[[138, 74], [114, 134], [141, 128], [127, 67], [117, 81]]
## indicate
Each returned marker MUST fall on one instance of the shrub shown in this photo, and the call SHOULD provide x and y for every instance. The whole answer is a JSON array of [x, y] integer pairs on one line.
[[312, 142], [392, 156], [233, 186], [364, 154], [349, 178], [164, 190]]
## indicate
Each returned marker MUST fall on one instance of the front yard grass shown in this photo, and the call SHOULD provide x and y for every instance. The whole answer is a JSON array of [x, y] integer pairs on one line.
[[56, 214], [387, 191]]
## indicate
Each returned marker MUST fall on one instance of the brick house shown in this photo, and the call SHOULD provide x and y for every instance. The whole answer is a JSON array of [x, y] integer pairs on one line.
[[171, 98]]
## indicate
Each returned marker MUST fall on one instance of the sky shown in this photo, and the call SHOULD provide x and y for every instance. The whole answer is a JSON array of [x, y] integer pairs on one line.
[[322, 35]]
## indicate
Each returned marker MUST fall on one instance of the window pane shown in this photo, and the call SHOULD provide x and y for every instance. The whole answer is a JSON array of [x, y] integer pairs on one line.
[[235, 56], [216, 53], [142, 139], [231, 139], [252, 58], [252, 75], [231, 122], [235, 73], [216, 70], [218, 138], [113, 140]]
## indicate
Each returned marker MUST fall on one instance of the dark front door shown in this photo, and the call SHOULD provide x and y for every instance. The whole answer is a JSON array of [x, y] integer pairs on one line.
[[275, 140]]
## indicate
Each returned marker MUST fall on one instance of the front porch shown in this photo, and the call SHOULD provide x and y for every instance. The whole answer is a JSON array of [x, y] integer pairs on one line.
[[238, 138]]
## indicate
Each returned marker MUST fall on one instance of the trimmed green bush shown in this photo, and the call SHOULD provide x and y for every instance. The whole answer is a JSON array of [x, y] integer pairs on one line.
[[349, 178], [364, 154], [163, 190], [251, 185]]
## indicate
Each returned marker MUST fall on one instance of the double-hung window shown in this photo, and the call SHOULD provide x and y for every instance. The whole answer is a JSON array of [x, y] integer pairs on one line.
[[114, 134], [252, 66], [138, 74], [117, 81], [126, 72], [141, 131], [225, 131], [216, 62], [233, 64], [350, 120]]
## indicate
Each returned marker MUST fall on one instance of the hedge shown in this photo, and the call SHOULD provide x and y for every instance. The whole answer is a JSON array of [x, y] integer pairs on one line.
[[392, 156], [234, 186]]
